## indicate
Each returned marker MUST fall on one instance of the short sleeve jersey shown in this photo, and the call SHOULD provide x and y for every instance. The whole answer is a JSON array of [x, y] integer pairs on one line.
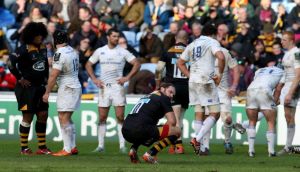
[[290, 61], [267, 77], [229, 64], [151, 108], [201, 55], [66, 60], [112, 62]]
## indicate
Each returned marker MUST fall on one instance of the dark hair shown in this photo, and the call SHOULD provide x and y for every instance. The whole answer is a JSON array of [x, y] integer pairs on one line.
[[33, 30], [209, 30], [165, 85], [110, 31], [60, 37]]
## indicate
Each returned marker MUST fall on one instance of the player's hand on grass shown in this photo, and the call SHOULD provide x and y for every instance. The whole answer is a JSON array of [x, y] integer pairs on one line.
[[122, 80], [24, 82], [98, 83], [46, 97]]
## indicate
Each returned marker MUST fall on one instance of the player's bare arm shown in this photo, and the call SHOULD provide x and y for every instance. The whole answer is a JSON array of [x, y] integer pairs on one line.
[[294, 86], [158, 72], [221, 65], [136, 67], [277, 93], [182, 67], [51, 82], [90, 71], [235, 82]]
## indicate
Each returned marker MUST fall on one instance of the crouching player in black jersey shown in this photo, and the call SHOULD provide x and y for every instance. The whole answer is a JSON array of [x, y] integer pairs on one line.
[[29, 64], [140, 126]]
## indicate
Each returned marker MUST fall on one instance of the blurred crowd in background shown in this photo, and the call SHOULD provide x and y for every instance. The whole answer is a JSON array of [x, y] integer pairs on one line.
[[250, 29]]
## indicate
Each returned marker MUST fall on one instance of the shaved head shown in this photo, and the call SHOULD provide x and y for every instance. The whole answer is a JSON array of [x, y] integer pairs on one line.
[[182, 36]]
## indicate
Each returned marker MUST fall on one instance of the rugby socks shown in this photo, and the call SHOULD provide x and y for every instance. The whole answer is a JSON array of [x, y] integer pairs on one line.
[[24, 133], [271, 141], [227, 132], [245, 124], [157, 147], [101, 134], [207, 125], [290, 136], [73, 141], [197, 126], [40, 129], [121, 138], [67, 134], [205, 141], [251, 132]]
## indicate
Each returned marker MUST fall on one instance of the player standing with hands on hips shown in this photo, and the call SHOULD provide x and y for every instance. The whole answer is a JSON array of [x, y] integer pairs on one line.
[[65, 72]]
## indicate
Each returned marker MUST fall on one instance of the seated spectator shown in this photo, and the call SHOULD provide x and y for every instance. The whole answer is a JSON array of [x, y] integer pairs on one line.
[[123, 43], [20, 10], [49, 42], [17, 34], [7, 80], [278, 54], [4, 48], [222, 35], [281, 20], [142, 83], [196, 31], [246, 75], [95, 25], [84, 32], [294, 18], [169, 38], [109, 8], [211, 17], [246, 38], [45, 7], [90, 4], [265, 13], [84, 14], [84, 52], [36, 15], [151, 47], [259, 53], [268, 37], [157, 15], [67, 10], [132, 15]]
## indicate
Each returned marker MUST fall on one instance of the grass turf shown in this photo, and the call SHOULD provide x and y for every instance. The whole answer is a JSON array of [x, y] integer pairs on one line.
[[112, 160]]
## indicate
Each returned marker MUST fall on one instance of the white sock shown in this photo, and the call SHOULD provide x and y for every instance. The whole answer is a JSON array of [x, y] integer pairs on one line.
[[251, 132], [207, 125], [205, 141], [260, 115], [121, 138], [67, 134], [290, 135], [101, 134], [271, 141], [73, 142], [197, 126], [227, 132]]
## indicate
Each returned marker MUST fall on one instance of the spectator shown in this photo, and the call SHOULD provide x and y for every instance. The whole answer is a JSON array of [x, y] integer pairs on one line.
[[84, 14], [45, 7], [84, 32], [84, 52], [259, 53], [265, 13], [20, 10], [281, 20], [95, 25], [211, 17], [246, 38], [278, 54], [151, 47], [246, 76], [169, 38], [90, 4], [157, 15], [196, 31], [294, 18], [67, 10], [7, 80], [17, 34], [36, 15], [222, 35], [4, 47], [108, 8], [123, 44], [142, 83], [132, 15], [268, 37]]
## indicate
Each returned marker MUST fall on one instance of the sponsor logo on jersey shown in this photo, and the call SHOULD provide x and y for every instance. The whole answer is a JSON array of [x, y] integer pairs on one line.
[[39, 66]]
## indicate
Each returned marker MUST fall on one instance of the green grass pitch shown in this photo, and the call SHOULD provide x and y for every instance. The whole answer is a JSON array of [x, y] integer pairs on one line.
[[112, 160]]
